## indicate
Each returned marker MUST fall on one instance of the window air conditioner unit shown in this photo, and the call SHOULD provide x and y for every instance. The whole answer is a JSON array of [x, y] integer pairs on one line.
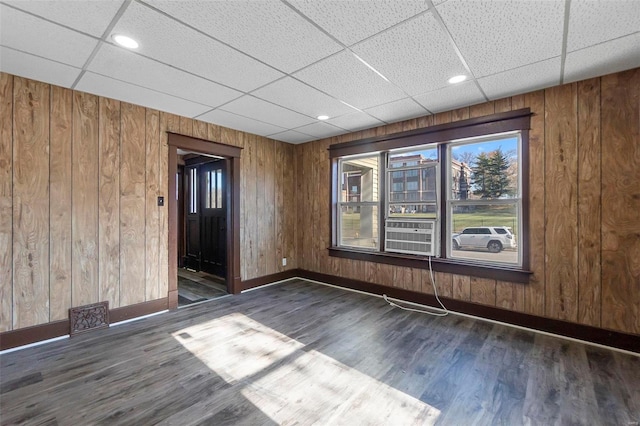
[[415, 236]]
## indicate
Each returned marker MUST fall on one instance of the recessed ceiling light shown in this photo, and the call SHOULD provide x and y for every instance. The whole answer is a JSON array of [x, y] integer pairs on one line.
[[457, 79], [125, 41], [323, 117]]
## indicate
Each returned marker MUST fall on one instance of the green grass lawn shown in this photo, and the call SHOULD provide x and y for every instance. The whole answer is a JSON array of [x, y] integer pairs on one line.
[[489, 217], [493, 217]]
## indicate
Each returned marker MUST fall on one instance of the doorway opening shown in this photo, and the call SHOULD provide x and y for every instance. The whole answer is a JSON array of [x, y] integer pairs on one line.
[[203, 220], [202, 224]]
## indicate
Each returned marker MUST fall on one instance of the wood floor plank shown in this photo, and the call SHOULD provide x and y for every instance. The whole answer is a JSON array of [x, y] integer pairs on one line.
[[301, 353]]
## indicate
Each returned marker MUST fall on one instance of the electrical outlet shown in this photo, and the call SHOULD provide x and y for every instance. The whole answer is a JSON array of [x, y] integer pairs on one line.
[[284, 261]]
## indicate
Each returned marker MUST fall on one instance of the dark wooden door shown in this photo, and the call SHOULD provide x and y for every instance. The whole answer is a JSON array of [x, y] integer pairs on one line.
[[213, 217]]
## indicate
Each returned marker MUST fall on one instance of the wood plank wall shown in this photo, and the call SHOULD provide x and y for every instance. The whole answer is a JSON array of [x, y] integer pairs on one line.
[[584, 207], [79, 181]]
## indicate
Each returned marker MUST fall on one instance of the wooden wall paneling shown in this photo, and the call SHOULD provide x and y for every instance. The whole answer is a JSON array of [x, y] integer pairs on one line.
[[589, 203], [214, 133], [427, 281], [6, 202], [425, 121], [250, 196], [316, 227], [410, 124], [290, 211], [30, 203], [325, 201], [461, 287], [443, 117], [535, 290], [502, 105], [200, 129], [186, 126], [132, 205], [483, 291], [60, 132], [416, 280], [460, 114], [268, 237], [444, 284], [481, 110], [280, 229], [244, 199], [372, 273], [561, 190], [305, 207], [299, 203], [384, 274], [230, 136], [403, 278], [517, 102], [109, 203], [84, 208], [621, 201], [152, 224], [168, 123], [262, 232], [510, 296], [354, 268]]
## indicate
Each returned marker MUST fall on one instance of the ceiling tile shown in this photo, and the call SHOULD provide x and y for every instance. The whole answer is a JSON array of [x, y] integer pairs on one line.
[[27, 33], [321, 130], [293, 94], [593, 22], [344, 19], [238, 122], [108, 87], [291, 136], [496, 36], [168, 41], [346, 78], [355, 121], [521, 80], [91, 17], [417, 55], [403, 109], [36, 68], [288, 43], [451, 97], [606, 58], [258, 109], [125, 65]]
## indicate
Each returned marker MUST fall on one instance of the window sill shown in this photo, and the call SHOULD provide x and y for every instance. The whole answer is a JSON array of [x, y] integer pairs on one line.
[[494, 272]]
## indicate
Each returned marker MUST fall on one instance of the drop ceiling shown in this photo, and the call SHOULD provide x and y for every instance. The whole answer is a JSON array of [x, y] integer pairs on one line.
[[270, 67]]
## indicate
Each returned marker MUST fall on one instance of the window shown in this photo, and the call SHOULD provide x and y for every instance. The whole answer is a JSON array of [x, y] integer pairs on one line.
[[213, 189], [465, 181], [359, 202], [484, 203], [193, 190]]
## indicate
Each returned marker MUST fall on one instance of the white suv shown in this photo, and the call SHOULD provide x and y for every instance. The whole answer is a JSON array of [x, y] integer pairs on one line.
[[493, 238]]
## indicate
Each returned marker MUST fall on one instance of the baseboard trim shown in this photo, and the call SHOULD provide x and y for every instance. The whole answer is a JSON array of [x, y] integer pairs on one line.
[[268, 279], [24, 336], [600, 336], [137, 310], [38, 333]]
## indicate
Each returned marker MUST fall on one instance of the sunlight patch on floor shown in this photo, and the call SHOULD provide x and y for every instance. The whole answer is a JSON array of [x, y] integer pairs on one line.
[[286, 381]]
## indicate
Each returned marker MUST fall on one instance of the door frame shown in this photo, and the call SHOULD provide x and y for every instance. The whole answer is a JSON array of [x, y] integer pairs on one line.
[[232, 157]]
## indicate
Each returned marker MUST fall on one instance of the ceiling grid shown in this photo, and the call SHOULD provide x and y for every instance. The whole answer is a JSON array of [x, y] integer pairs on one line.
[[272, 67]]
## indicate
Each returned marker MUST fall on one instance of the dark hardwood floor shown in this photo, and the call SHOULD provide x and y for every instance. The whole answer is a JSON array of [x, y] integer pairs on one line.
[[303, 353], [195, 287]]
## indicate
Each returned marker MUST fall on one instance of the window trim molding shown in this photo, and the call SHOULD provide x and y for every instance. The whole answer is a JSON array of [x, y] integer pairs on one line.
[[518, 120], [472, 127]]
